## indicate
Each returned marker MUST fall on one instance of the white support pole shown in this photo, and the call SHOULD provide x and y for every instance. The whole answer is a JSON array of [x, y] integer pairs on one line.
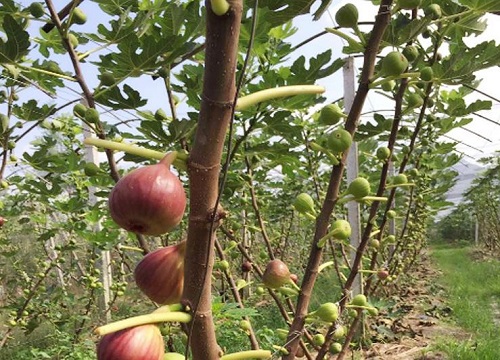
[[476, 232], [392, 222], [91, 155], [352, 171]]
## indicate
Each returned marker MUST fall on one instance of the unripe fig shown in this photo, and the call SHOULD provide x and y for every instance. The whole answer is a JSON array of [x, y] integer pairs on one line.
[[426, 74], [92, 116], [372, 311], [408, 4], [359, 300], [160, 274], [335, 348], [347, 16], [342, 229], [339, 332], [415, 100], [36, 10], [148, 200], [174, 356], [91, 169], [137, 343], [391, 214], [4, 123], [414, 172], [260, 290], [388, 85], [245, 325], [410, 52], [339, 140], [399, 179], [383, 153], [78, 16], [73, 40], [391, 239], [276, 274], [160, 115], [374, 243], [222, 265], [328, 312], [330, 115], [359, 188], [304, 204], [433, 11], [318, 339], [394, 64], [79, 110], [11, 144], [107, 79]]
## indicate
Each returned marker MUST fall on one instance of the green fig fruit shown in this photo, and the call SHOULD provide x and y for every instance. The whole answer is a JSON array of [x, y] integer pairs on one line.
[[383, 153], [78, 16], [36, 10], [339, 140], [426, 74], [433, 11], [359, 300], [107, 79], [304, 204], [359, 188], [411, 52], [408, 4], [330, 115], [347, 16], [394, 64]]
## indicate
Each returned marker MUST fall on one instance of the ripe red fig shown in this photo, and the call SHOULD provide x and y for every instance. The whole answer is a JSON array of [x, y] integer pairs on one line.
[[2, 221], [138, 343], [148, 200], [294, 278], [382, 274], [276, 275], [160, 274], [246, 266]]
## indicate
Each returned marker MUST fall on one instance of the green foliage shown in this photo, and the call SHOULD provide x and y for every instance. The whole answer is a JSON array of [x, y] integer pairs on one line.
[[458, 225]]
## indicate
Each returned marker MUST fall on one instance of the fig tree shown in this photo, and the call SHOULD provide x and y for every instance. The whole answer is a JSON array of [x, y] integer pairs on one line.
[[149, 200], [347, 16]]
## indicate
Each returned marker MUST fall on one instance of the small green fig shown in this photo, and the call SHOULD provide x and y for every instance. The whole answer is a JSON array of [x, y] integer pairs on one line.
[[107, 79], [90, 169], [426, 74], [304, 204], [78, 16], [433, 11], [79, 110], [335, 348], [92, 116], [359, 300], [347, 16], [339, 140], [394, 64], [391, 214], [359, 188], [36, 10], [160, 115], [415, 100], [383, 153], [411, 52], [341, 229], [318, 339], [327, 312], [330, 115], [388, 85], [400, 179], [408, 4]]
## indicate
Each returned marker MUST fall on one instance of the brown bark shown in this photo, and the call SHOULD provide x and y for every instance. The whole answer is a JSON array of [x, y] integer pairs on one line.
[[222, 33]]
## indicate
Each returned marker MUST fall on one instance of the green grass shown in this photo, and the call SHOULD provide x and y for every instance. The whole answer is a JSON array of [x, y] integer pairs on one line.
[[471, 287]]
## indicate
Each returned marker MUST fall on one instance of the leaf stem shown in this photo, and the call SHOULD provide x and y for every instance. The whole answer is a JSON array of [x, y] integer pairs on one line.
[[283, 91], [176, 316], [250, 354]]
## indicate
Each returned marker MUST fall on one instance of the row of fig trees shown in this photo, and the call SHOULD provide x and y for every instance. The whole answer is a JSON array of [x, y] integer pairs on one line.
[[250, 202]]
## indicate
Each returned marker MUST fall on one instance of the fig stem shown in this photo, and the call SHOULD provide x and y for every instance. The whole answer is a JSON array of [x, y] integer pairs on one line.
[[131, 248], [356, 45], [134, 150], [318, 147], [374, 84], [176, 316], [400, 185], [249, 354], [169, 158], [373, 233], [219, 7], [257, 97], [324, 266]]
